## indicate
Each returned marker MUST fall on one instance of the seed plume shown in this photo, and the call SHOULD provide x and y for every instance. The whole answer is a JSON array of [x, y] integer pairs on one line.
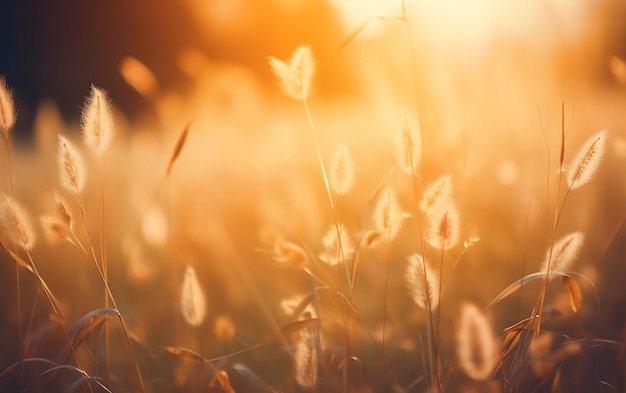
[[306, 360], [444, 227], [437, 194], [192, 299], [71, 166], [97, 121], [587, 161], [7, 109], [15, 224], [562, 254], [408, 145], [295, 77], [59, 223], [387, 216], [476, 347], [422, 282], [341, 174]]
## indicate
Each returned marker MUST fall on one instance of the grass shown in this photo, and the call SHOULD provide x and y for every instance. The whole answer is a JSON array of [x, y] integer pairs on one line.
[[335, 280]]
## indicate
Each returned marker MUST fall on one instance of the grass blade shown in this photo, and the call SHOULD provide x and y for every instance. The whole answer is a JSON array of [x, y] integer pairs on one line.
[[180, 142], [511, 289]]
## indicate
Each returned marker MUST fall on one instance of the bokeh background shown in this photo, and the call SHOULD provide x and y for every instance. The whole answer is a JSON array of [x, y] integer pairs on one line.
[[487, 82]]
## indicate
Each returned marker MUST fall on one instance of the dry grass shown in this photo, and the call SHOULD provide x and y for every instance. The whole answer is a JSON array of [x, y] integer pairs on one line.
[[439, 248]]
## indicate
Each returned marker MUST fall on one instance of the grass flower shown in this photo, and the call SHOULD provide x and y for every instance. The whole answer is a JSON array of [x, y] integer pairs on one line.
[[437, 195], [444, 227], [7, 109], [476, 346], [587, 161], [341, 174], [97, 121], [562, 254], [408, 145], [296, 76], [59, 223], [71, 166], [15, 224], [192, 299], [305, 358], [387, 216], [422, 282]]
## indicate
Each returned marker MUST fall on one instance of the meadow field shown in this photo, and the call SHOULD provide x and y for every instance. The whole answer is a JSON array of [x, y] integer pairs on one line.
[[424, 197]]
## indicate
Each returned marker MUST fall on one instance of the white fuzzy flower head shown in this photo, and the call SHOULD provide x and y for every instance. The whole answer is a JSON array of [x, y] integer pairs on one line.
[[192, 299], [476, 346], [97, 121], [422, 282], [409, 144], [15, 224], [562, 254], [341, 173], [296, 76], [7, 109], [587, 161], [387, 216], [71, 166]]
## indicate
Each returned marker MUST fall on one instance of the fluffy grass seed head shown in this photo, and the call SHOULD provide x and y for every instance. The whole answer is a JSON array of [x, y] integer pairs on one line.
[[7, 109], [71, 166], [476, 346], [422, 282], [409, 144], [97, 121], [305, 358], [587, 161], [388, 215], [192, 298], [58, 224], [437, 195], [15, 224], [335, 251], [444, 227], [296, 76], [562, 254], [341, 173]]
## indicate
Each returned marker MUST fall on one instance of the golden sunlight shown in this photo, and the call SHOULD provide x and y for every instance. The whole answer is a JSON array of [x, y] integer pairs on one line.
[[313, 196]]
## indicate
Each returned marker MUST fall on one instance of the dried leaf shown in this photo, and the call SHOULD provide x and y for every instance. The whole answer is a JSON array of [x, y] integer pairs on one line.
[[574, 294], [509, 345]]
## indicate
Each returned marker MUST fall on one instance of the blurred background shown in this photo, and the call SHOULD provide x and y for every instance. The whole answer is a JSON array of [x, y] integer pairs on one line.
[[486, 81], [55, 51]]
